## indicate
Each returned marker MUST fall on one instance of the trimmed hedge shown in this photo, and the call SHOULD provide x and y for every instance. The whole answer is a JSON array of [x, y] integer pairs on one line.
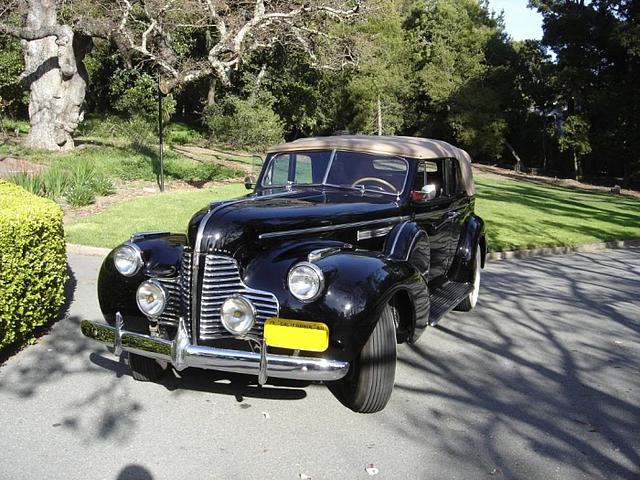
[[32, 263]]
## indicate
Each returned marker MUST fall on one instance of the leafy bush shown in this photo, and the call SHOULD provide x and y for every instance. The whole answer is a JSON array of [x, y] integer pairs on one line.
[[245, 123], [80, 194], [31, 182], [136, 92], [32, 263], [102, 185], [78, 181], [139, 131]]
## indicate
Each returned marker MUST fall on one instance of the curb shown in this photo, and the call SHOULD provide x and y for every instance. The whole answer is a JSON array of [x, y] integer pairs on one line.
[[491, 256], [549, 251], [86, 250]]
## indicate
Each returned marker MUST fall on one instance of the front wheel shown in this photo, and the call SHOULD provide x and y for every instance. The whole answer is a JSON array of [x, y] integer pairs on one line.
[[470, 301], [369, 384]]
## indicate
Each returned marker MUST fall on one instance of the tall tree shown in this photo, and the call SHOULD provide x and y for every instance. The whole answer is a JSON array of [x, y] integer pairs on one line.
[[162, 32], [54, 72]]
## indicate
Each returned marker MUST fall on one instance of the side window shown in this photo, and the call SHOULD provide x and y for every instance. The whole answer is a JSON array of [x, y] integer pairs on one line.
[[451, 174], [303, 169], [281, 165], [427, 173], [279, 171]]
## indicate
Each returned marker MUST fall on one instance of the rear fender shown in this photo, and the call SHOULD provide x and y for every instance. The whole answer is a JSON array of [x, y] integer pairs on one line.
[[473, 234]]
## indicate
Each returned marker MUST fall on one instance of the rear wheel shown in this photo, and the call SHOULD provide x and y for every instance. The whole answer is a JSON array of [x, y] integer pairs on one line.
[[145, 369], [369, 384], [470, 301]]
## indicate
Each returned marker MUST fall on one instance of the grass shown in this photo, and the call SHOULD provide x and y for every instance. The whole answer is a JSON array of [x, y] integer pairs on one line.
[[126, 163], [518, 215], [159, 212], [522, 215], [124, 149]]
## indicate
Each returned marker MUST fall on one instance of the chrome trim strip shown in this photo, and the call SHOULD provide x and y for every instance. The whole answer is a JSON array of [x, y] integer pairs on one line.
[[375, 233], [395, 241], [327, 228], [321, 253], [181, 353], [142, 235]]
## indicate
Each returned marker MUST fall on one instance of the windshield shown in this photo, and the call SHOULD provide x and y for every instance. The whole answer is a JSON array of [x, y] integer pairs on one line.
[[364, 171]]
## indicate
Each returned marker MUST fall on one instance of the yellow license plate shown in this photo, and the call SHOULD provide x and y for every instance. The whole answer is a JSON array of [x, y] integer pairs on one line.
[[296, 334]]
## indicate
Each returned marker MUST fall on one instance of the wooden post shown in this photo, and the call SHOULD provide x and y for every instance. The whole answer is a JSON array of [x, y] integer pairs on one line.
[[160, 135], [379, 116]]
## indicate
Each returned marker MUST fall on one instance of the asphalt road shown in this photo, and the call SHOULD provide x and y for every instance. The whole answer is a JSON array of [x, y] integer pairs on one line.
[[541, 381]]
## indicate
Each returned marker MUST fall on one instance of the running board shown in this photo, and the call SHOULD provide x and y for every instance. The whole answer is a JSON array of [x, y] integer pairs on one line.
[[445, 298]]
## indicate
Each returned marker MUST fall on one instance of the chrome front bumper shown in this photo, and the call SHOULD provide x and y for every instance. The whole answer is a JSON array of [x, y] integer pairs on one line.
[[182, 354]]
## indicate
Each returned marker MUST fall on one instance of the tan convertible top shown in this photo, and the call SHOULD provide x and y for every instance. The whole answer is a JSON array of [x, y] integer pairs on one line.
[[408, 147]]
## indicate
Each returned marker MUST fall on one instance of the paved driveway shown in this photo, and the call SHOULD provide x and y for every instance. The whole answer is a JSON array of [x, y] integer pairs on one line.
[[542, 381]]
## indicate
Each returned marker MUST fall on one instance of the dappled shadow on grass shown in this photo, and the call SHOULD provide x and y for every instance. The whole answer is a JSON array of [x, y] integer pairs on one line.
[[547, 216], [556, 201], [546, 361]]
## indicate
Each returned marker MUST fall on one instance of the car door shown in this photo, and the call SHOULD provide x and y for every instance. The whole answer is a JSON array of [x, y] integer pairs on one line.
[[458, 205], [434, 215]]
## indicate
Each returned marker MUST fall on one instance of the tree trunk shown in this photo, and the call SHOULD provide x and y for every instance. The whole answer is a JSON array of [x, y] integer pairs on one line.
[[56, 77], [211, 94], [576, 167]]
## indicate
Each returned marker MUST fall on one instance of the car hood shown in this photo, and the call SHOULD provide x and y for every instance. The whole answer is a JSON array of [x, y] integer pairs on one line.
[[226, 226]]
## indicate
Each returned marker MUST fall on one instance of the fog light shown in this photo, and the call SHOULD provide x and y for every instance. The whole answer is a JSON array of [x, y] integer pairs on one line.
[[151, 298], [237, 315]]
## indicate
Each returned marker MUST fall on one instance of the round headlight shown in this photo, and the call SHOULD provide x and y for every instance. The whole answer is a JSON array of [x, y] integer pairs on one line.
[[237, 315], [306, 281], [128, 259], [151, 298]]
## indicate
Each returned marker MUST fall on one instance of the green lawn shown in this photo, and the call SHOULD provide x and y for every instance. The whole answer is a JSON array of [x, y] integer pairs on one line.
[[525, 215], [518, 215], [159, 212]]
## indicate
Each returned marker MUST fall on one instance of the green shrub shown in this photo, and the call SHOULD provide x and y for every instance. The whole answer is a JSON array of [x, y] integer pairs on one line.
[[31, 182], [245, 123], [54, 181], [80, 194], [32, 263], [102, 185]]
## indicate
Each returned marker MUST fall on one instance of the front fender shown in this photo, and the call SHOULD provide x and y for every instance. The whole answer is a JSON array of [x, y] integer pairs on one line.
[[358, 284], [162, 254]]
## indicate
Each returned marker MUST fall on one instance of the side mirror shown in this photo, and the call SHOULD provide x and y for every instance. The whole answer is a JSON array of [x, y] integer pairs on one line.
[[428, 192], [249, 183]]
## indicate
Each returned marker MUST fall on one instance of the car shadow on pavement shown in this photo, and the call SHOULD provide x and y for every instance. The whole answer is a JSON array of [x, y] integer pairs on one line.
[[546, 358], [209, 381]]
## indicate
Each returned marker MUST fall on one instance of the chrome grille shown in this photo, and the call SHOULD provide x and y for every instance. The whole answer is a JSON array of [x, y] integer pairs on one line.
[[171, 313], [185, 284], [177, 293], [221, 281]]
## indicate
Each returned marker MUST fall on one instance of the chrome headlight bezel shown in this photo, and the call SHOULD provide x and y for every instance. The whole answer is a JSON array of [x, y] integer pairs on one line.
[[313, 271], [134, 255], [250, 309], [162, 294]]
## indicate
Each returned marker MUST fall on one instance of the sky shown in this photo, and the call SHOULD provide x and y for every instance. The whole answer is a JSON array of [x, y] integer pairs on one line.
[[522, 23]]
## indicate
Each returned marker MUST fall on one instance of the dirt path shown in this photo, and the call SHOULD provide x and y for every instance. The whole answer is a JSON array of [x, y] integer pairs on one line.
[[496, 172], [207, 155]]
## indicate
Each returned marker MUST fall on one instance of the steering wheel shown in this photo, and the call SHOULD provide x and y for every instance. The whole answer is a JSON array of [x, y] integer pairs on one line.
[[378, 180]]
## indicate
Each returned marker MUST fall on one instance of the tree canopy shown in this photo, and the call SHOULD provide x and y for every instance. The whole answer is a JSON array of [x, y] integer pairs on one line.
[[259, 70]]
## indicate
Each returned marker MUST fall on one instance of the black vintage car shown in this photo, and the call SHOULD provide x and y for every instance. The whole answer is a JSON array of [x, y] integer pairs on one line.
[[348, 246]]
